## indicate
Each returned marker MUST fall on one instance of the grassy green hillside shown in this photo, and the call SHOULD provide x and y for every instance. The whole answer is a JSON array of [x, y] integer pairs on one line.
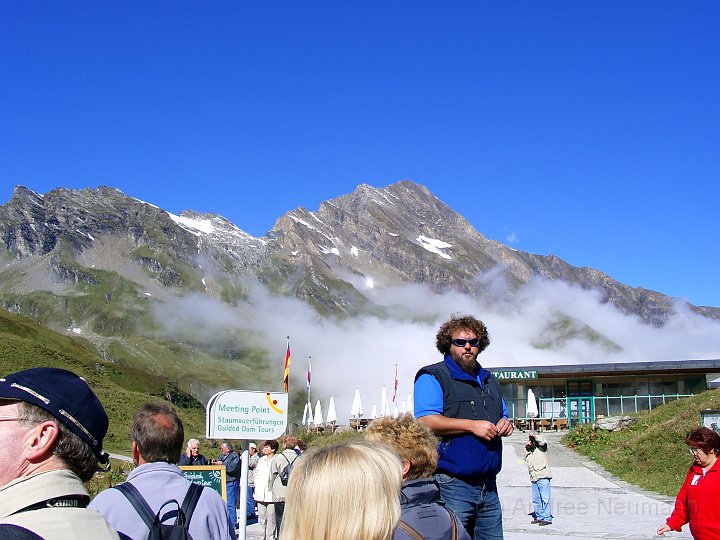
[[121, 389], [652, 453]]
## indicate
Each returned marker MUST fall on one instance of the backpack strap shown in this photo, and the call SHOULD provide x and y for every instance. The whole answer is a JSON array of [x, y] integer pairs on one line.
[[453, 520], [16, 532], [190, 501], [138, 503], [412, 533]]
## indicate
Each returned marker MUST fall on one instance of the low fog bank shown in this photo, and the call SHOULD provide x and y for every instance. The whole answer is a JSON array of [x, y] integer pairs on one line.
[[361, 352]]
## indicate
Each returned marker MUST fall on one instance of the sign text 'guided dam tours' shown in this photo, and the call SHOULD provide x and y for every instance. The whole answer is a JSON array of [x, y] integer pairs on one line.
[[241, 414]]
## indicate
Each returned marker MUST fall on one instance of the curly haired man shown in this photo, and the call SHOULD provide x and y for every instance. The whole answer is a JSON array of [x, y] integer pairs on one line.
[[462, 403]]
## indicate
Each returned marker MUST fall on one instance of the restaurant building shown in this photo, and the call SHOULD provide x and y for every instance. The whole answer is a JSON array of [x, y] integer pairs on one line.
[[581, 393]]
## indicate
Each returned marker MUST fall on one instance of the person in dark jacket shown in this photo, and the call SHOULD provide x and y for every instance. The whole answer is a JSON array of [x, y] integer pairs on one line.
[[192, 455], [462, 403], [422, 515], [232, 463]]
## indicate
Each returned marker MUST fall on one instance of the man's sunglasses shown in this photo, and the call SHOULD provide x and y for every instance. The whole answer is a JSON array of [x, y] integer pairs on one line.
[[462, 342]]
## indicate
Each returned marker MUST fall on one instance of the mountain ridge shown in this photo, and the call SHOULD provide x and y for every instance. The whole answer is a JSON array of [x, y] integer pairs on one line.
[[397, 227], [104, 264]]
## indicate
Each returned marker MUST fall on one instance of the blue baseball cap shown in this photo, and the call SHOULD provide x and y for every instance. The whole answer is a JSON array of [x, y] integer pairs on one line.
[[64, 395]]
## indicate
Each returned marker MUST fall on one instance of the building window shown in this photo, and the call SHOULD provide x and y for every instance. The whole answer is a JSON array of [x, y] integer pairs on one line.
[[614, 406], [641, 386], [628, 405], [627, 388], [579, 388], [601, 406]]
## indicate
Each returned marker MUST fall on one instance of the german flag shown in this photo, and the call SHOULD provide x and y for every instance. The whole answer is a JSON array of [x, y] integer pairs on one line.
[[286, 373]]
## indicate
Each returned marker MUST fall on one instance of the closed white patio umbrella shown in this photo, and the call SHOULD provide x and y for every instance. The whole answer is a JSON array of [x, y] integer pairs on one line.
[[331, 415], [356, 410], [532, 407], [318, 418], [307, 415], [384, 409]]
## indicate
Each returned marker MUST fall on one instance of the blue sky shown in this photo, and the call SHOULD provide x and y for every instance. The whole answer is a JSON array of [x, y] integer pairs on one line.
[[586, 130]]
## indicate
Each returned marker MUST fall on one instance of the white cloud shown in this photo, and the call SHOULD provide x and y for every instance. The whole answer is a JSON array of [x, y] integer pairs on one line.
[[363, 351]]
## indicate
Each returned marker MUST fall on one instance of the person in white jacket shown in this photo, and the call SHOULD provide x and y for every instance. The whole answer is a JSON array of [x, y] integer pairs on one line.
[[263, 493], [536, 449]]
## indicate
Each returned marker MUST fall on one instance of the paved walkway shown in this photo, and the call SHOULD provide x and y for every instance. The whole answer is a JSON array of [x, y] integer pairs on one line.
[[588, 503]]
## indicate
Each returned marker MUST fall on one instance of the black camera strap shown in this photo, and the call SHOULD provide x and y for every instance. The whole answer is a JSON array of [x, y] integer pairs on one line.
[[70, 501]]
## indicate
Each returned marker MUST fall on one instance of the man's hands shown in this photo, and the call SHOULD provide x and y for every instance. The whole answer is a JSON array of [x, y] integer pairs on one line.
[[483, 429], [487, 431], [504, 427]]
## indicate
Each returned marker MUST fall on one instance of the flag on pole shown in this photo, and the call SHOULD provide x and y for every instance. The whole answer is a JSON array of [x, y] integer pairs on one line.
[[288, 361], [307, 386], [396, 384]]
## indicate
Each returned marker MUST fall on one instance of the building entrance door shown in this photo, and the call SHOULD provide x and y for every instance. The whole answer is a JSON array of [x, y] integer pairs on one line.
[[580, 410]]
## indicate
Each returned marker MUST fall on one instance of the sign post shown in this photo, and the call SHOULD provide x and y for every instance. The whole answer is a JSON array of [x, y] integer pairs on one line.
[[245, 415]]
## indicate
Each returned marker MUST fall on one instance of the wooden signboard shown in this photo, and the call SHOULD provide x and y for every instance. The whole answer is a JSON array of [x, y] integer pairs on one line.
[[211, 476]]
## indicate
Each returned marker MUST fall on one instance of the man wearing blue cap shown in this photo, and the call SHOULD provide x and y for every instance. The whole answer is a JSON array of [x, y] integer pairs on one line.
[[52, 427]]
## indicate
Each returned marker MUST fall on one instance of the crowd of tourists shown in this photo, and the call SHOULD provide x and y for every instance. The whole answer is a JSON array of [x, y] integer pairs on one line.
[[431, 475]]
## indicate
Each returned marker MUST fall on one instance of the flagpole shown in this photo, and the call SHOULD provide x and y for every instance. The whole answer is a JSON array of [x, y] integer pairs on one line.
[[286, 371], [396, 384], [309, 372]]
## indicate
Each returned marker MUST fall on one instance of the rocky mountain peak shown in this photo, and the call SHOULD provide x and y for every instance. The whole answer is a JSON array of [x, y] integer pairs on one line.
[[400, 234]]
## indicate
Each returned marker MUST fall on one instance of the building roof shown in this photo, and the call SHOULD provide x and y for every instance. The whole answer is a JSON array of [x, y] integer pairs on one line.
[[620, 368]]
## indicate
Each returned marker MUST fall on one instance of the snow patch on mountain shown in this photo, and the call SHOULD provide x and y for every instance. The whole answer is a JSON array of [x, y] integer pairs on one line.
[[434, 246], [308, 225], [194, 226], [327, 250]]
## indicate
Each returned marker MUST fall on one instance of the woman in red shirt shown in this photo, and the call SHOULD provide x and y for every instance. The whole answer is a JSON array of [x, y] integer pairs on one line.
[[697, 502]]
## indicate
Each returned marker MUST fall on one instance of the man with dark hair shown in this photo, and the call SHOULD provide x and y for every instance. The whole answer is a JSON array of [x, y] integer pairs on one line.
[[462, 403], [231, 461], [157, 437], [52, 427]]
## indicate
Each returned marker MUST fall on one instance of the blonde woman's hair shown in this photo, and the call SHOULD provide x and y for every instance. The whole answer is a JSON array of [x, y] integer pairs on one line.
[[411, 439], [344, 492]]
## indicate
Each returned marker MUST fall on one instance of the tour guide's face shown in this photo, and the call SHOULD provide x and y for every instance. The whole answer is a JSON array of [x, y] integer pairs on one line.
[[465, 356]]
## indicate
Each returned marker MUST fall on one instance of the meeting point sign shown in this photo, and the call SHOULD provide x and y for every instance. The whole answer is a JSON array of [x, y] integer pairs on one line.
[[241, 414]]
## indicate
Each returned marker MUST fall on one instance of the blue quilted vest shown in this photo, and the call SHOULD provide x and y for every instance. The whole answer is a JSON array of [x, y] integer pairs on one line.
[[466, 456]]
